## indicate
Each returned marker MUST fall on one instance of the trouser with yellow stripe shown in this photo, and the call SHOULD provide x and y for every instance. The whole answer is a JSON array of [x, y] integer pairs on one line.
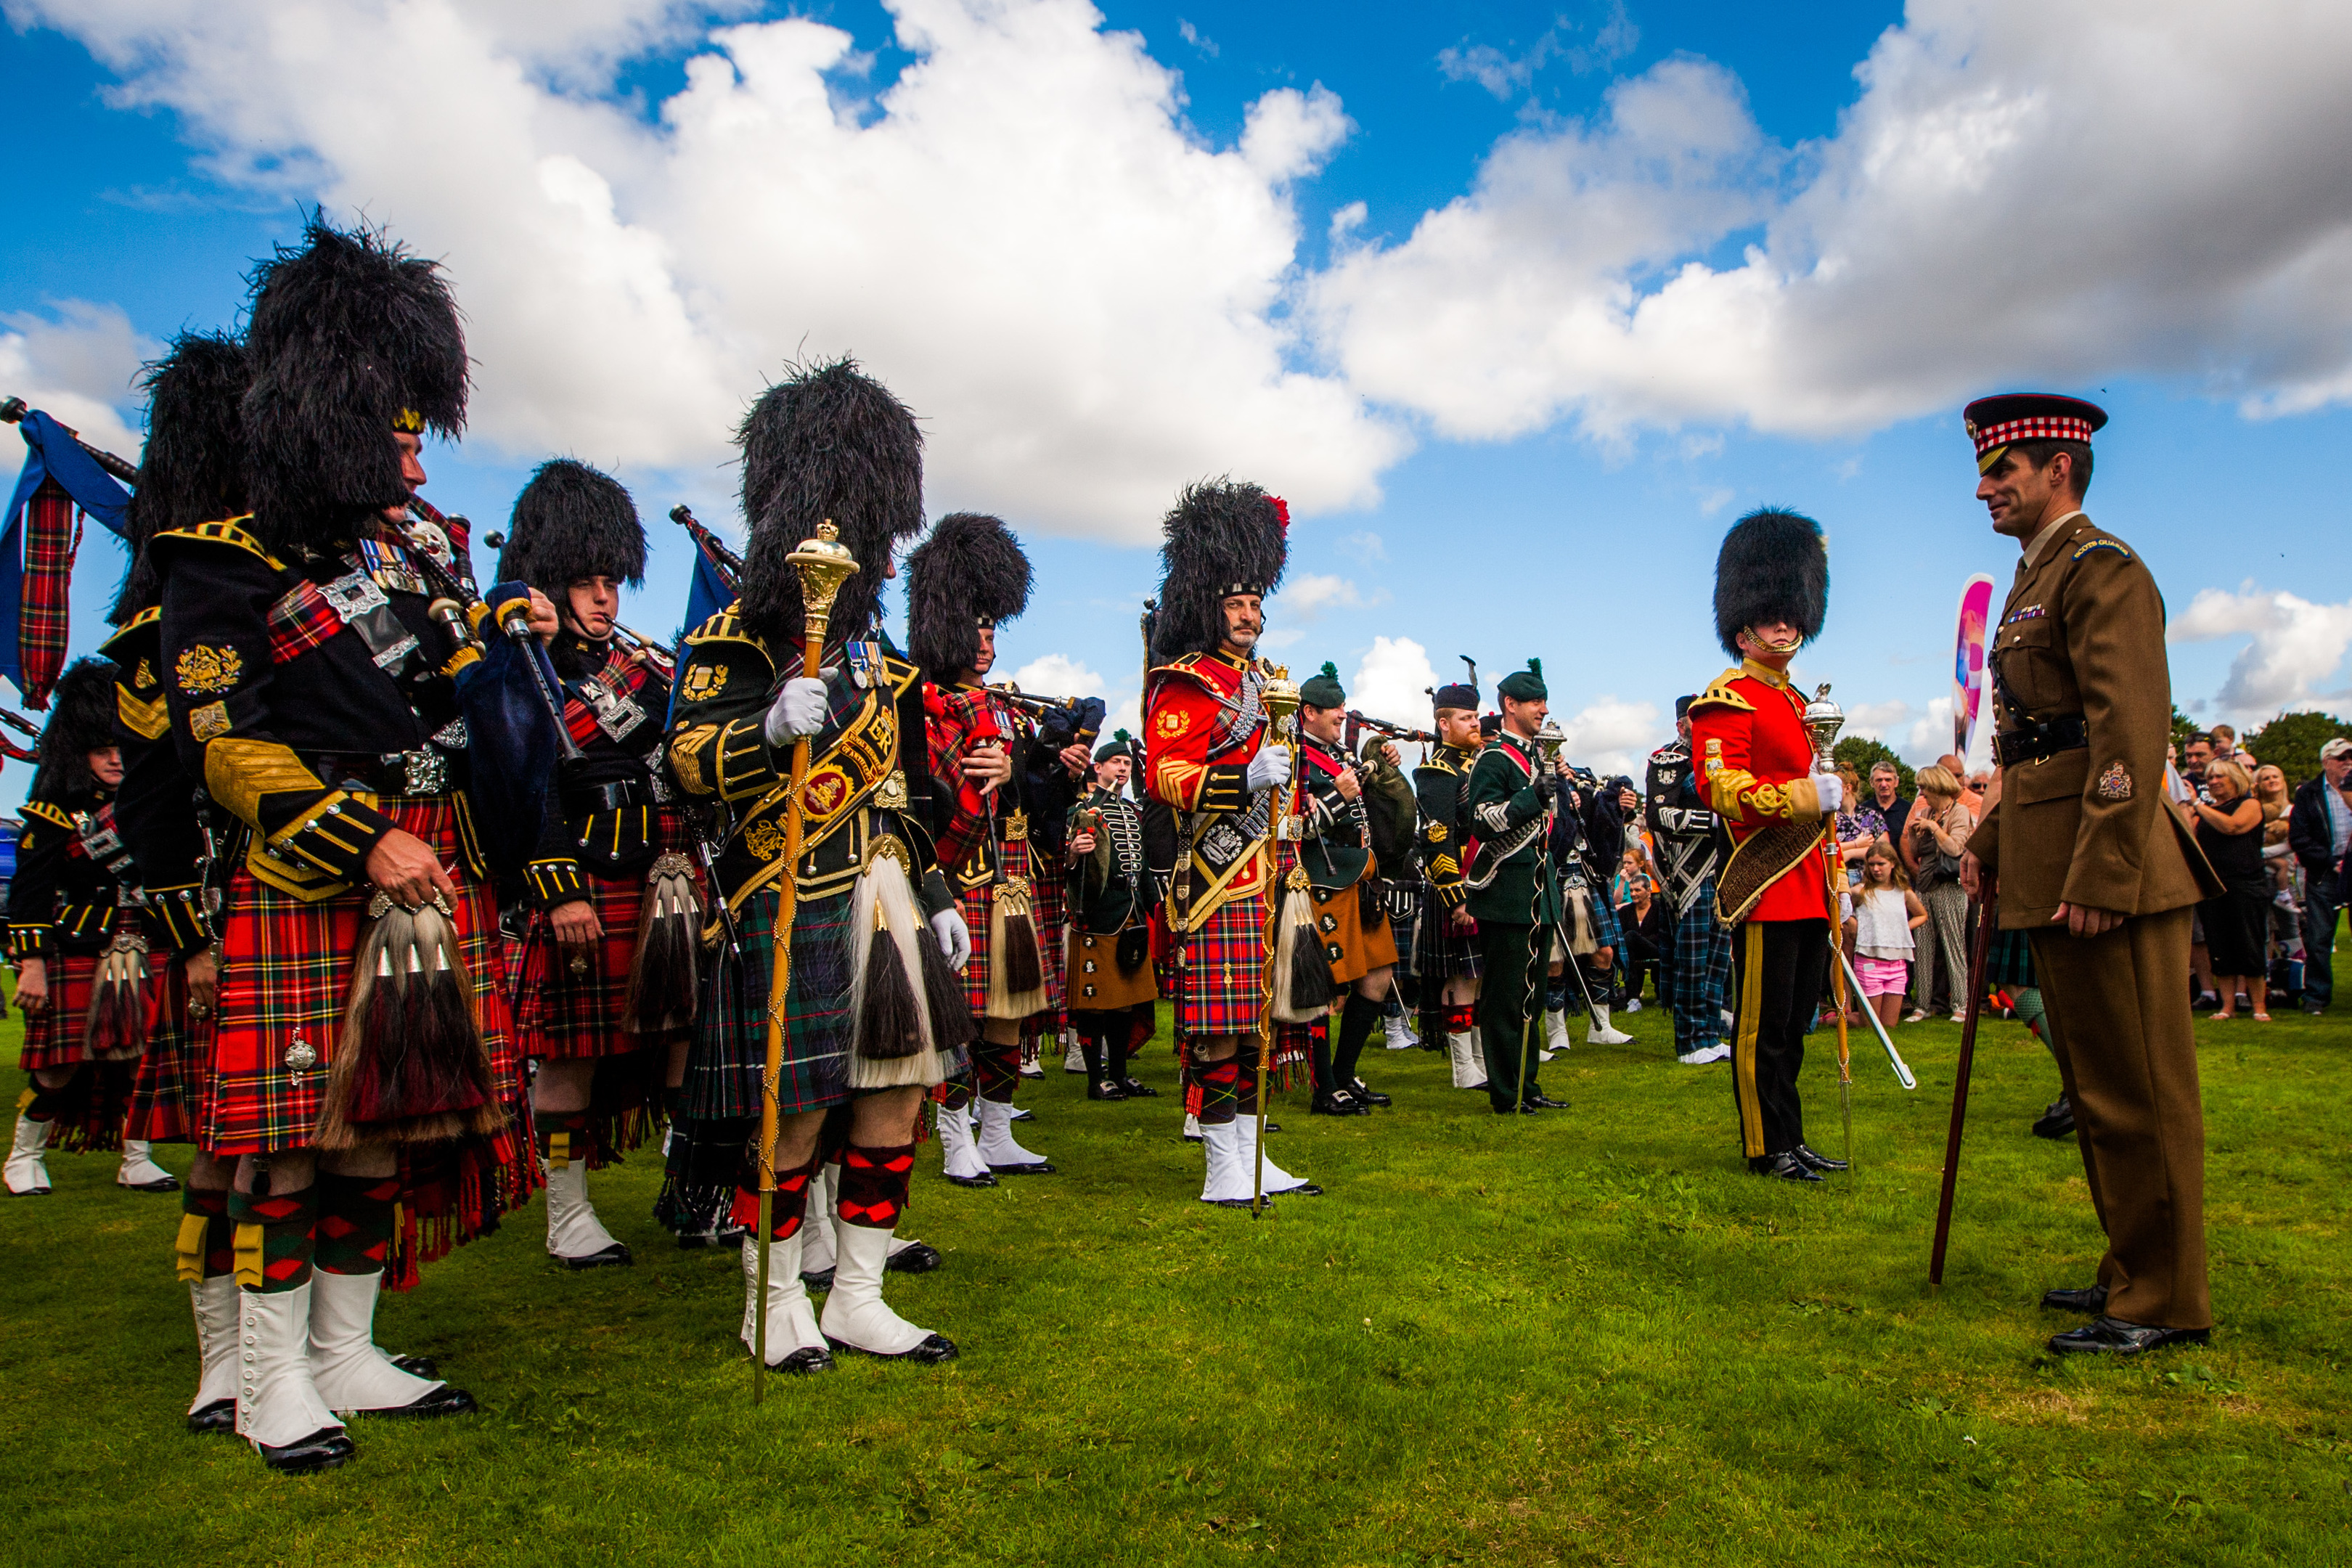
[[1778, 969]]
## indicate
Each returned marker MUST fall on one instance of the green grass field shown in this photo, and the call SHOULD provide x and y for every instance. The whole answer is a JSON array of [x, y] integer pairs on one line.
[[1582, 1337]]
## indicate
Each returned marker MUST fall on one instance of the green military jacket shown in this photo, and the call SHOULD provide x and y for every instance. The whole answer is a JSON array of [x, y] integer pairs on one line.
[[1512, 878]]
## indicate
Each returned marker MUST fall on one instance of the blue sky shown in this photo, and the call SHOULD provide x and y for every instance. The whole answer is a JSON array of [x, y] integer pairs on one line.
[[1703, 193]]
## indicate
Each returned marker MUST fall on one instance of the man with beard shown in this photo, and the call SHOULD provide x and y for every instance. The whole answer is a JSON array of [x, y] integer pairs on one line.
[[1212, 763], [1113, 893], [870, 1014]]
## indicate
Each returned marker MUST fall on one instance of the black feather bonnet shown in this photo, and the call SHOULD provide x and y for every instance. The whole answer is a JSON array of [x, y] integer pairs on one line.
[[351, 338], [573, 522], [81, 720], [827, 442], [1773, 567], [1224, 538], [969, 573], [192, 467]]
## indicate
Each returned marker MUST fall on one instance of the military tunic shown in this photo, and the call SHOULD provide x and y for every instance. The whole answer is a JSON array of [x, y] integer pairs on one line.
[[1515, 895]]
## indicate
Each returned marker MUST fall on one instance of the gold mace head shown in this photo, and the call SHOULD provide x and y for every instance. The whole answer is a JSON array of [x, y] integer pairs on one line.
[[824, 563], [1279, 697]]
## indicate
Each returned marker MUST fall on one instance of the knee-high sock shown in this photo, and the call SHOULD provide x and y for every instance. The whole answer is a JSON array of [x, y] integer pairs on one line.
[[790, 1207], [873, 1184], [563, 1136], [206, 1247], [996, 1069], [273, 1242], [1318, 1059], [1114, 1044], [1357, 1021], [355, 1220], [1220, 1084]]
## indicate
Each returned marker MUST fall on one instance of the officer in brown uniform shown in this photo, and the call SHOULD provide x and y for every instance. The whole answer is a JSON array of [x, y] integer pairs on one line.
[[2088, 860]]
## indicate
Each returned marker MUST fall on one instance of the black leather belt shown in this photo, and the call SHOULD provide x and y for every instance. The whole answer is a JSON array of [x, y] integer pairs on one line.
[[586, 800], [424, 772], [2038, 742]]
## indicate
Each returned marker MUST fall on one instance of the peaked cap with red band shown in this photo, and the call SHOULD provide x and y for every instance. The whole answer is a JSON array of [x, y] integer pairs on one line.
[[1994, 423]]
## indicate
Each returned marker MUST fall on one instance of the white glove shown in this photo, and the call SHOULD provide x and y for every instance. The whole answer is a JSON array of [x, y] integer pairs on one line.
[[1830, 786], [1270, 768], [798, 710], [955, 938]]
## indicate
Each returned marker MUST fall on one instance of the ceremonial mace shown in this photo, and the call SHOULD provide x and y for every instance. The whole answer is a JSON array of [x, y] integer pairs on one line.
[[1823, 719], [823, 565], [1279, 697], [1988, 916]]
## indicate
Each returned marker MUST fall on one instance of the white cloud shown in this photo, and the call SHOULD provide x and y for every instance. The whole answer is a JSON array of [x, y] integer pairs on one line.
[[77, 363], [1392, 683], [1305, 597], [1198, 39], [2205, 237], [1504, 75], [1614, 737], [1020, 234], [2294, 652], [1875, 720], [1057, 675]]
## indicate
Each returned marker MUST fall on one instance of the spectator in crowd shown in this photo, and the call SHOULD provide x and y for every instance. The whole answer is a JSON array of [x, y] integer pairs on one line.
[[2237, 924], [1858, 824], [1886, 913], [1649, 933], [1939, 829], [2225, 744], [1887, 797], [2285, 883], [1971, 795], [2185, 787], [2318, 827]]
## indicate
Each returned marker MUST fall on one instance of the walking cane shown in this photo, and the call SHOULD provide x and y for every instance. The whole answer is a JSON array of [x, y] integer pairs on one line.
[[823, 565], [1988, 913], [1280, 698]]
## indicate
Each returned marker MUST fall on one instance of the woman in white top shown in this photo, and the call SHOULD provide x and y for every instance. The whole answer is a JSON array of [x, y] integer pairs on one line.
[[1885, 912]]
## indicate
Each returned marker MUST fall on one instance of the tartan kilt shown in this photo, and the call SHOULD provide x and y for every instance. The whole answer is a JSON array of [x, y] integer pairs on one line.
[[977, 905], [163, 1091], [2008, 959], [1441, 952], [560, 1017], [286, 969], [52, 1037], [1221, 981], [730, 1044], [1353, 948], [86, 1110], [1049, 898]]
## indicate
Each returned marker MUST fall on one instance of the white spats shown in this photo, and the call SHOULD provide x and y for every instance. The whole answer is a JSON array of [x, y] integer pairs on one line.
[[26, 1176], [1228, 1177], [1600, 1034], [958, 1152], [1278, 1180], [215, 1304], [998, 1148], [573, 1231], [276, 1401], [1074, 1055], [816, 1228], [350, 1372], [855, 1314], [1555, 1032], [1707, 1055], [1469, 1064], [1400, 1033], [140, 1172], [791, 1321], [1191, 1128]]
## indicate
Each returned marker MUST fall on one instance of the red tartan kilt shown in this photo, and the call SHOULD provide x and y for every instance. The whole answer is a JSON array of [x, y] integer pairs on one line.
[[561, 1016], [163, 1094], [1220, 986], [286, 970], [53, 1037], [1046, 899]]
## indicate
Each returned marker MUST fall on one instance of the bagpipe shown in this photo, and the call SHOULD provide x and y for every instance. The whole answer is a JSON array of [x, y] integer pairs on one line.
[[1061, 721]]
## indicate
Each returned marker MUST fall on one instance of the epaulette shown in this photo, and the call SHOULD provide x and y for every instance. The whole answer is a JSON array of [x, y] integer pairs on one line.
[[227, 532], [727, 625], [48, 812], [138, 623], [2114, 544], [1719, 693], [901, 673]]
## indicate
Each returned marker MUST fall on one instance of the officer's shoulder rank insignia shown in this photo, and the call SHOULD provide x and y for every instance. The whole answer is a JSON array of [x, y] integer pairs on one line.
[[2115, 784], [1173, 722], [209, 722], [704, 682], [205, 669]]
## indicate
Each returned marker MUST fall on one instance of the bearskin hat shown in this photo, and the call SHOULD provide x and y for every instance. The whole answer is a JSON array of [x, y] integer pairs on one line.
[[1773, 567], [1224, 538], [193, 469], [969, 573], [828, 442], [351, 338], [571, 523], [81, 720]]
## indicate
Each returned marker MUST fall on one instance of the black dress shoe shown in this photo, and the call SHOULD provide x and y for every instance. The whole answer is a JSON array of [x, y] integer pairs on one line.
[[1107, 1089], [1545, 1102], [321, 1450], [422, 1366], [1784, 1166], [2112, 1336], [1025, 1168], [166, 1184], [1303, 1190], [985, 1179], [220, 1416], [441, 1400], [935, 1349], [2091, 1299], [1338, 1104], [614, 1257], [1020, 1114], [1368, 1095], [819, 1282], [806, 1360], [915, 1258], [1813, 1161], [1138, 1089], [1514, 1110], [1235, 1202], [2057, 1121]]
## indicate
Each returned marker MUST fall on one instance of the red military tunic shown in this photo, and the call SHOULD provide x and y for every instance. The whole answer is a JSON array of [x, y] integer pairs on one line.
[[1200, 755], [1755, 759]]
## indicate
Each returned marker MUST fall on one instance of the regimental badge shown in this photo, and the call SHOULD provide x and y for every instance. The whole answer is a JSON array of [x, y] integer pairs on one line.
[[144, 677], [1173, 722], [2115, 784], [765, 839], [205, 671], [827, 791], [208, 722], [704, 682], [1436, 833]]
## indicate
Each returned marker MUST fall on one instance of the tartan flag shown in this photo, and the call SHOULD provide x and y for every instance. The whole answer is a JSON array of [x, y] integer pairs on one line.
[[37, 550]]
